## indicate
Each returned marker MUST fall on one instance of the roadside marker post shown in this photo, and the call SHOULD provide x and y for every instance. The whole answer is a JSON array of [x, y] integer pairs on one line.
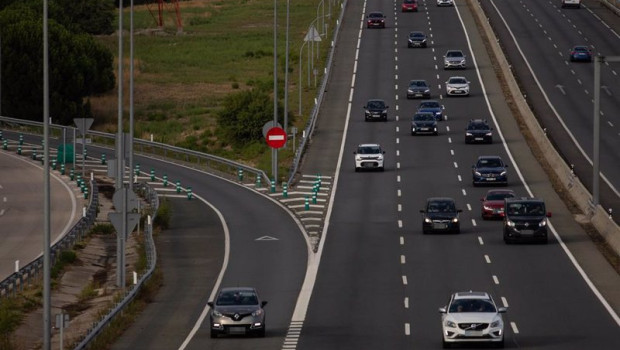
[[72, 173], [240, 174], [152, 174], [313, 197], [34, 153], [19, 150], [178, 186], [21, 139], [273, 186], [307, 204], [258, 181], [103, 161], [165, 180], [54, 164], [189, 193], [137, 169], [284, 190], [5, 144]]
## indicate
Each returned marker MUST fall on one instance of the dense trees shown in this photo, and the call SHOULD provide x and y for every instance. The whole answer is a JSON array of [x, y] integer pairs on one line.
[[78, 66]]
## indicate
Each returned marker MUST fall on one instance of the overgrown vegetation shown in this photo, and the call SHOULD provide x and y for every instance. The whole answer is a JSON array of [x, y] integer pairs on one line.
[[162, 219]]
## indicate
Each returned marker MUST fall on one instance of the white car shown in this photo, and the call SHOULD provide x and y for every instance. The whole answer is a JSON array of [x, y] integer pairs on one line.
[[457, 86], [445, 3], [472, 317], [369, 156], [571, 3]]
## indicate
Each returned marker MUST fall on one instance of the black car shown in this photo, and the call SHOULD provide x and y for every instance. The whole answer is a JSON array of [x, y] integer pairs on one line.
[[375, 109], [416, 39], [525, 219], [580, 53], [375, 20], [440, 215], [424, 123], [478, 130], [418, 88], [489, 170]]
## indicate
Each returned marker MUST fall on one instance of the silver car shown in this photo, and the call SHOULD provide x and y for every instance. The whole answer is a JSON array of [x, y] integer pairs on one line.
[[237, 311], [454, 59], [472, 317], [445, 2], [457, 86]]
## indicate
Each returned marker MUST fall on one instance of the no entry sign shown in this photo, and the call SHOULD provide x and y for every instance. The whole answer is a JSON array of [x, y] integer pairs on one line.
[[276, 137]]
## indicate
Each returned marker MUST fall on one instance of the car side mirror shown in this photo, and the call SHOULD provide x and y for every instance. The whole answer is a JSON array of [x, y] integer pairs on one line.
[[482, 199], [442, 310], [502, 310], [548, 214], [422, 211], [365, 107], [459, 210], [383, 152], [210, 303], [354, 152], [263, 303]]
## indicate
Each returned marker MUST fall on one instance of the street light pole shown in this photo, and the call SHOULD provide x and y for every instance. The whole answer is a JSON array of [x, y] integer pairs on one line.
[[286, 71], [274, 151], [301, 50]]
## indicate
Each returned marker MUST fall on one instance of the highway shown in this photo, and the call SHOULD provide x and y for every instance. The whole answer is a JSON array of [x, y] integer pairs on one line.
[[537, 37], [21, 211], [380, 281]]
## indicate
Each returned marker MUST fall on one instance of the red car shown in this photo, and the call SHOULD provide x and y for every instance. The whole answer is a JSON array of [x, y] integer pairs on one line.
[[410, 6], [375, 20], [493, 203]]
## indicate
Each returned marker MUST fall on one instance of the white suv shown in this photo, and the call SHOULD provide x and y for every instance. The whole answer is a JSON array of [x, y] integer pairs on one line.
[[571, 3], [472, 317], [369, 156]]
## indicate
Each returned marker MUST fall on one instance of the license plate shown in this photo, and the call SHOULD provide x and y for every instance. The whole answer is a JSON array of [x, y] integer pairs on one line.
[[418, 94], [473, 333], [478, 139], [236, 330], [490, 179], [440, 226]]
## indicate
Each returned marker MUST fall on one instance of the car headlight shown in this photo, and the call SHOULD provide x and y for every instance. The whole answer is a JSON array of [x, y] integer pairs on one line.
[[428, 220], [477, 173], [469, 134], [455, 220], [217, 313], [257, 312], [367, 112], [358, 158], [542, 223], [384, 111], [510, 223], [486, 207], [496, 324], [410, 91], [503, 173], [380, 157], [450, 324], [488, 134], [427, 90]]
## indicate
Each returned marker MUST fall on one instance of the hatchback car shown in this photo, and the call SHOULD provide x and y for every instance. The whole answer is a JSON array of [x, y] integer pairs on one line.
[[409, 6], [492, 204], [580, 53], [525, 219], [375, 109], [454, 59], [424, 123], [445, 2], [489, 170], [418, 88], [457, 86], [416, 39], [431, 106], [440, 215], [369, 156], [478, 130], [237, 311], [472, 317], [375, 20]]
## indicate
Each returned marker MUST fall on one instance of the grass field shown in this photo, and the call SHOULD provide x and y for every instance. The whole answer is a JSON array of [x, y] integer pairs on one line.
[[182, 77]]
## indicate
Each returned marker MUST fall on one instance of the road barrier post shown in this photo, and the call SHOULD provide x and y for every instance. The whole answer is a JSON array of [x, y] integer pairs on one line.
[[103, 161], [313, 197], [178, 186], [5, 144], [189, 193], [240, 174], [54, 164], [165, 180], [72, 173], [21, 139], [34, 153], [152, 174], [137, 169], [273, 186], [307, 204], [284, 190], [19, 150], [258, 181]]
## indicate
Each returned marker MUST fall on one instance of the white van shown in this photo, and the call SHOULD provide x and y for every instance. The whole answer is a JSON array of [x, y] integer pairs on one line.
[[571, 3]]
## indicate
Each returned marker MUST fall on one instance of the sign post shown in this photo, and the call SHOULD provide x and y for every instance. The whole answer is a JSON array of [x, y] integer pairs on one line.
[[276, 138]]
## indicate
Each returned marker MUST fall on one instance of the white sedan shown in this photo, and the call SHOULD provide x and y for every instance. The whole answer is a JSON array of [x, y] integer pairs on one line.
[[472, 317], [457, 86]]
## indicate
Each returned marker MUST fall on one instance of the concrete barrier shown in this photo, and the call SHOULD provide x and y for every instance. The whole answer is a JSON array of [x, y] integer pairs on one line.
[[597, 216]]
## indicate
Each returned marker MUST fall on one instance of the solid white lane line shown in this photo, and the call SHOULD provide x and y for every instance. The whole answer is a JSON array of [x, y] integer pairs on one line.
[[487, 259]]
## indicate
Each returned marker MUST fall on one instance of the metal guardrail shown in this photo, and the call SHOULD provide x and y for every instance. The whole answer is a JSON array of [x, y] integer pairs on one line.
[[130, 294], [16, 281], [613, 5]]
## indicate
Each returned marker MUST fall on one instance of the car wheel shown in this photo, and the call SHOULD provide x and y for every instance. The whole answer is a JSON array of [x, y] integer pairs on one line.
[[382, 169], [261, 333]]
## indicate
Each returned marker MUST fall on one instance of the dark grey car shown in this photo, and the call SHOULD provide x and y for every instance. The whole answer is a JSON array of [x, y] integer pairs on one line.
[[418, 88], [237, 311]]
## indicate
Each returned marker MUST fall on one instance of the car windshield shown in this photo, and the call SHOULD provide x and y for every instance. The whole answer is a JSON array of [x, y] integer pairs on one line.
[[457, 81], [471, 305], [498, 196], [416, 35], [423, 117], [418, 83], [490, 163], [526, 209], [441, 207], [376, 104], [409, 1], [369, 150], [237, 298], [429, 104], [454, 54], [580, 49], [375, 15], [478, 126]]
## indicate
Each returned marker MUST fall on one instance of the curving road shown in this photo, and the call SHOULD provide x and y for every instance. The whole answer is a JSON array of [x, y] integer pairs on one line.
[[21, 211]]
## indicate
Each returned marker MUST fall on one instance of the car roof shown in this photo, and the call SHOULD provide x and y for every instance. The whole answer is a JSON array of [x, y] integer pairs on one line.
[[457, 77], [416, 32], [483, 121], [471, 295], [500, 191], [524, 199], [376, 100], [489, 157], [440, 199], [417, 80], [240, 289], [368, 145]]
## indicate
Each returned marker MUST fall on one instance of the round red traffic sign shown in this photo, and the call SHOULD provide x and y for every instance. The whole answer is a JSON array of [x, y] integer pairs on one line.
[[276, 137]]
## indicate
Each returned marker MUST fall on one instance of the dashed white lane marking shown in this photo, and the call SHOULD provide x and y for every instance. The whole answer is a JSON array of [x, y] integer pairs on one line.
[[398, 193], [459, 177], [480, 240], [495, 279], [515, 330], [402, 240], [398, 180], [398, 165], [464, 194], [406, 302], [404, 280], [456, 165], [402, 259], [407, 329], [397, 129], [505, 302], [487, 259], [398, 153], [468, 206], [397, 140], [400, 207]]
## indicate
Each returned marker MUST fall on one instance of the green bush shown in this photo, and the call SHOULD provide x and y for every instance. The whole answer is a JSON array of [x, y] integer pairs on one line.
[[162, 219]]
